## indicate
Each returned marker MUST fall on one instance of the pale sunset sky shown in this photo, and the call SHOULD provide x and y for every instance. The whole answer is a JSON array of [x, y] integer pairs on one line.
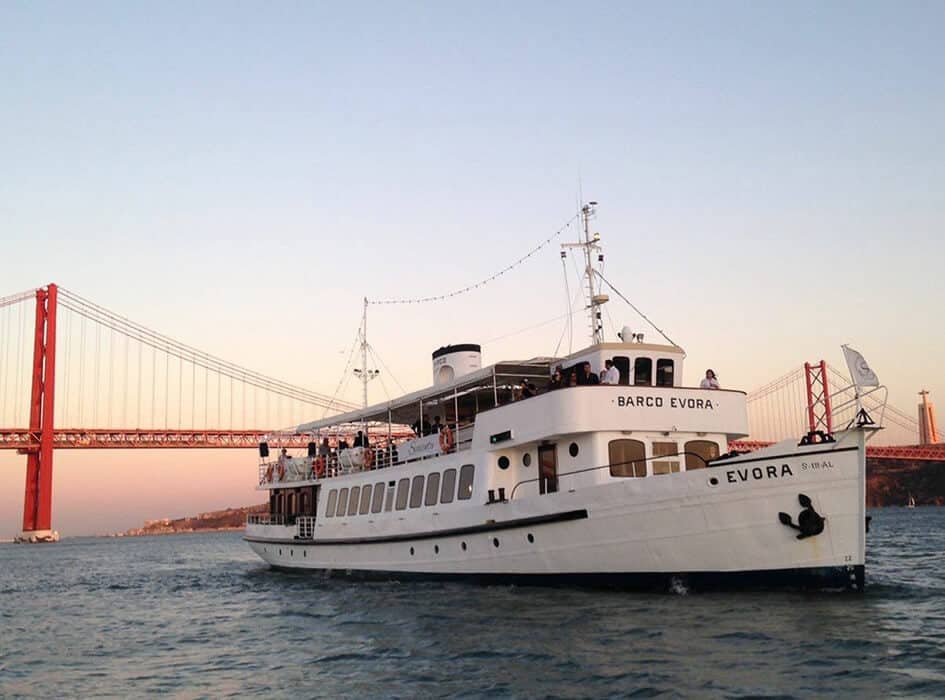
[[238, 175]]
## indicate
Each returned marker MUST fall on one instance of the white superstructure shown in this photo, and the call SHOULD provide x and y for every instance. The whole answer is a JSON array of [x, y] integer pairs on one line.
[[499, 473]]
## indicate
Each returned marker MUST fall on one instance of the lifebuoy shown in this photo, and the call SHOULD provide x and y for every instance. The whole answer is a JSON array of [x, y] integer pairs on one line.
[[367, 457], [281, 472], [446, 439], [318, 466]]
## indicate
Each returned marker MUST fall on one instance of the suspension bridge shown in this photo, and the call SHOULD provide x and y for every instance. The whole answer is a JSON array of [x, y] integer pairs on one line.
[[97, 380]]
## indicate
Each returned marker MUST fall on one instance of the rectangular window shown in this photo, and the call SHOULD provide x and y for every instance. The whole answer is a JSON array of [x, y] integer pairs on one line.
[[665, 370], [448, 491], [416, 491], [466, 473], [665, 449], [627, 458], [365, 500], [378, 501], [342, 502], [389, 503], [698, 452], [433, 489], [643, 372], [623, 366], [353, 500], [403, 488], [332, 499]]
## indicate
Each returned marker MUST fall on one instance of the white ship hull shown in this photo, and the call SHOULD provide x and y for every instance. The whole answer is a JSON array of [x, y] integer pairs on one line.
[[710, 527]]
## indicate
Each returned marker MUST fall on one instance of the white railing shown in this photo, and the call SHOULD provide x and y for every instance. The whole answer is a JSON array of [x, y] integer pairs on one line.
[[265, 519], [305, 527]]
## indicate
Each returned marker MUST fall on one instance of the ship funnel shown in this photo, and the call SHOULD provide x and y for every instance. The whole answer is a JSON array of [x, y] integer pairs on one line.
[[452, 361]]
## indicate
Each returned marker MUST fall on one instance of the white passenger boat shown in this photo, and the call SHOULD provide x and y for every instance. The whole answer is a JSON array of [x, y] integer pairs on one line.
[[627, 485]]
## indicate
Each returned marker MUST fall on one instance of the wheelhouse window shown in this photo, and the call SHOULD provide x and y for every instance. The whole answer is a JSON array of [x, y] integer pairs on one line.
[[466, 473], [353, 500], [378, 501], [342, 502], [332, 500], [433, 489], [623, 366], [665, 371], [698, 452], [403, 488], [665, 449], [365, 500], [643, 371], [627, 458], [448, 490], [416, 491]]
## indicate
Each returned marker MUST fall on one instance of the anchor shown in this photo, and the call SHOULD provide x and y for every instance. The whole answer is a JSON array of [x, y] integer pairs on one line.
[[809, 521]]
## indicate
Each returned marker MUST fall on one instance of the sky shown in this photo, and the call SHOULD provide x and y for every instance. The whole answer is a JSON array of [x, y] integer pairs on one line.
[[240, 175]]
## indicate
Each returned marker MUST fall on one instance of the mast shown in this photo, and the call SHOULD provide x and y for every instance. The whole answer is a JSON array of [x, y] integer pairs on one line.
[[364, 370], [589, 245]]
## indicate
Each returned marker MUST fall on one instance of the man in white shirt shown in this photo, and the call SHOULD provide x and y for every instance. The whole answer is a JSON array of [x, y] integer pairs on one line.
[[610, 375]]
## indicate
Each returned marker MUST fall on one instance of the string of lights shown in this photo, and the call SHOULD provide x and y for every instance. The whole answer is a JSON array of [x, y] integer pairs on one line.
[[481, 283]]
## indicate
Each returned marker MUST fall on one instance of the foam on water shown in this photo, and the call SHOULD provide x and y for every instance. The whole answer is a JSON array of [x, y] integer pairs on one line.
[[200, 615]]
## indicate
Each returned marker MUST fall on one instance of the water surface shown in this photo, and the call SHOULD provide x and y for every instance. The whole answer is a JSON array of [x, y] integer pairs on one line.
[[201, 616]]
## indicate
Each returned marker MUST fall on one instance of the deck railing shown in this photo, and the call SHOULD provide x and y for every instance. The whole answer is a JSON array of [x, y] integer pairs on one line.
[[305, 527]]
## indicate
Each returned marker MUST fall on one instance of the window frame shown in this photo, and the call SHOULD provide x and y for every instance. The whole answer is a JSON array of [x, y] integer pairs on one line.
[[633, 465], [661, 364], [377, 499], [342, 503], [354, 498], [449, 477], [403, 493], [416, 490], [431, 496], [690, 454], [367, 491], [469, 469], [330, 505], [657, 463], [637, 374]]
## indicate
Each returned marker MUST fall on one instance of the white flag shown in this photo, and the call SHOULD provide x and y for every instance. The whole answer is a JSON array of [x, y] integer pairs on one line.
[[860, 371]]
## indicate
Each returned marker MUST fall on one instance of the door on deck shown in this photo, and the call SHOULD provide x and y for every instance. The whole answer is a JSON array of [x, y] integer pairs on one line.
[[547, 469]]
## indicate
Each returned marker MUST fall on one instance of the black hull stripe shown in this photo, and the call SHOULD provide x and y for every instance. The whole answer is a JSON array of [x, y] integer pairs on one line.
[[851, 578], [770, 458], [562, 517]]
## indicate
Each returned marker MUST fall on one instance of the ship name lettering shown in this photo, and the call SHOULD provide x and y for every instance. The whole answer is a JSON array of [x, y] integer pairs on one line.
[[641, 401], [758, 473], [676, 402]]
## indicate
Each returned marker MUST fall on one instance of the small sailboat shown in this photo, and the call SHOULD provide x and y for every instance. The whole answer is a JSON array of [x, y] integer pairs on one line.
[[911, 503]]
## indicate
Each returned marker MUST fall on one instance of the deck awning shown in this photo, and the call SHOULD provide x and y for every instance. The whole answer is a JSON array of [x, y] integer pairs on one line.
[[404, 410]]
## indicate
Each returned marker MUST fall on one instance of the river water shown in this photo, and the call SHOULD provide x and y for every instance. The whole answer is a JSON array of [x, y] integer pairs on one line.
[[200, 616]]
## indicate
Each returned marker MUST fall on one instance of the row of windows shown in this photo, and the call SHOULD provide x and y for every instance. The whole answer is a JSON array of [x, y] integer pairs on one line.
[[643, 371], [628, 457], [421, 490]]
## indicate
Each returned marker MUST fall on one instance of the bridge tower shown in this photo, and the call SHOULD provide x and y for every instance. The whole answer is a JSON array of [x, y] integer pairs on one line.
[[819, 415], [928, 431], [37, 502]]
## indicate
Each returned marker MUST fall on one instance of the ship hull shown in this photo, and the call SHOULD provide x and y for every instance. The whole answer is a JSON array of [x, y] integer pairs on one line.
[[720, 527]]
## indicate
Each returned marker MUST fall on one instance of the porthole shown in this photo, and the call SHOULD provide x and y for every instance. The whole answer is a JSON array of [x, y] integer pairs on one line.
[[495, 541], [713, 481], [527, 459], [573, 449], [531, 537], [411, 551], [463, 545], [436, 549], [503, 462]]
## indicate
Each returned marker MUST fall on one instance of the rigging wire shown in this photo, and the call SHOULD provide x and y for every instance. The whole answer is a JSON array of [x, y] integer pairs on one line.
[[632, 306], [378, 359], [487, 280], [344, 373]]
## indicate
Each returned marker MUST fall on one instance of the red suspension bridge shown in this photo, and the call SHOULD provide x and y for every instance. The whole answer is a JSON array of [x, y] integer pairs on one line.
[[97, 380]]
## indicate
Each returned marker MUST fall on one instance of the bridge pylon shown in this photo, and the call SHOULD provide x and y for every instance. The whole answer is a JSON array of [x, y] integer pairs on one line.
[[37, 501], [819, 413]]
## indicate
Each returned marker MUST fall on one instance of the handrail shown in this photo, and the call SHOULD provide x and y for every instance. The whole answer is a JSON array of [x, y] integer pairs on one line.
[[609, 465]]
